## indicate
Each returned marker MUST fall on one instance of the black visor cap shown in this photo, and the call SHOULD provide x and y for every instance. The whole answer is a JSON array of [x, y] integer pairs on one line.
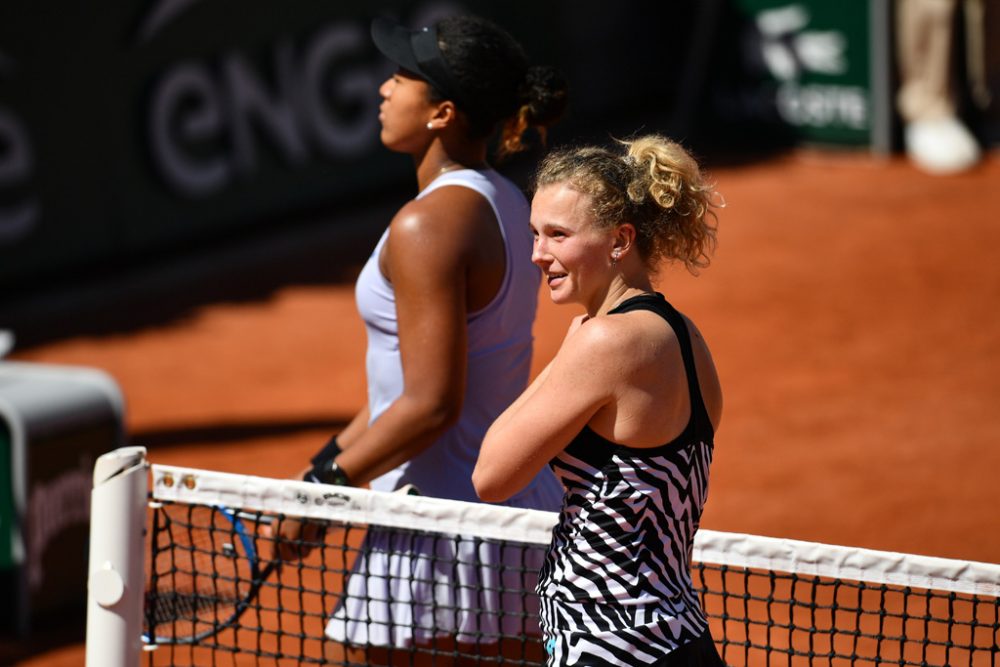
[[416, 51]]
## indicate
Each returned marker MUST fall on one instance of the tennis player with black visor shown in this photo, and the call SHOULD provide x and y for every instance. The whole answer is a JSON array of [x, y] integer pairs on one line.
[[448, 299]]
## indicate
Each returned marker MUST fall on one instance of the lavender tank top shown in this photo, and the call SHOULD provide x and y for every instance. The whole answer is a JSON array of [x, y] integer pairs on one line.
[[499, 354]]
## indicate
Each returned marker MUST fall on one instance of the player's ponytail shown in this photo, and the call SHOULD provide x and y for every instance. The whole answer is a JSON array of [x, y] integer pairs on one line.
[[544, 94], [673, 201]]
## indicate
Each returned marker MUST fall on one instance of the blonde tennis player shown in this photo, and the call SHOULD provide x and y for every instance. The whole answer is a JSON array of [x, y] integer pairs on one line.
[[625, 414]]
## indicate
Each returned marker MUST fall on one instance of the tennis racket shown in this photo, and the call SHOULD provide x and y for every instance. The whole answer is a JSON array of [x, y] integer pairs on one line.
[[205, 573], [207, 569]]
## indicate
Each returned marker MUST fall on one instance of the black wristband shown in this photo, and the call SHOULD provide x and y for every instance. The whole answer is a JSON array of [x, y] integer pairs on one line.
[[324, 466], [327, 472], [330, 451]]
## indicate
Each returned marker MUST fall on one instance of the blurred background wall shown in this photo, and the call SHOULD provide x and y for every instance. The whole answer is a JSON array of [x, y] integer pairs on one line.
[[147, 128]]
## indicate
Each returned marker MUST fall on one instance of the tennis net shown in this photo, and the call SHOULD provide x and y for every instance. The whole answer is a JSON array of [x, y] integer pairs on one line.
[[212, 597]]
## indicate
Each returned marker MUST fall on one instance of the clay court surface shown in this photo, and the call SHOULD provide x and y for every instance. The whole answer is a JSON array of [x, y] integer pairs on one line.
[[852, 308]]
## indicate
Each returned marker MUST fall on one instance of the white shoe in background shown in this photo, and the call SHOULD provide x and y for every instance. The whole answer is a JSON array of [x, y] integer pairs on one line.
[[941, 146], [6, 342]]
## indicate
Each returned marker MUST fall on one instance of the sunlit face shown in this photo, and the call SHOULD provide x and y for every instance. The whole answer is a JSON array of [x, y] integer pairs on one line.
[[572, 252], [404, 112]]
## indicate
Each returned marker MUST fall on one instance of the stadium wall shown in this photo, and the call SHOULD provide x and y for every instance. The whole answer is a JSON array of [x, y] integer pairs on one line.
[[148, 128]]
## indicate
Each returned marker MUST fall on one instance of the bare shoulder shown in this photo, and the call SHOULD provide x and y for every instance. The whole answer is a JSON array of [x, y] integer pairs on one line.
[[437, 231], [606, 343], [599, 334], [645, 335], [642, 333], [447, 210], [587, 366]]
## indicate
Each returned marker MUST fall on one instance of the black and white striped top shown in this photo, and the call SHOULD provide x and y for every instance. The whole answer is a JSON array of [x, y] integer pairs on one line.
[[616, 587]]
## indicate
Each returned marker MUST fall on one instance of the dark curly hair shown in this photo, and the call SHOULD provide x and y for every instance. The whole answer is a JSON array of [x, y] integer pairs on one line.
[[498, 84]]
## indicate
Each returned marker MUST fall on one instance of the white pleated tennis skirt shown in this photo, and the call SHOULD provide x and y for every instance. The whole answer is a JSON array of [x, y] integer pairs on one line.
[[406, 589]]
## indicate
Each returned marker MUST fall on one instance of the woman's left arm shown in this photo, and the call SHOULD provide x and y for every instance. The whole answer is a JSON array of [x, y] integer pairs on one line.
[[580, 380], [427, 258]]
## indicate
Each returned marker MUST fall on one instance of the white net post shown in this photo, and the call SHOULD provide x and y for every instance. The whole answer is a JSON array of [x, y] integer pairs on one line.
[[116, 579]]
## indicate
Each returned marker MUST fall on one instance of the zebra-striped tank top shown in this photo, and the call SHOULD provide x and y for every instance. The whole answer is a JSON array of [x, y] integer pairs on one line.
[[616, 587]]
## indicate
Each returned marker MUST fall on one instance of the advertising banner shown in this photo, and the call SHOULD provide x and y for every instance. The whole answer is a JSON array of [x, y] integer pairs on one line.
[[814, 71], [148, 126]]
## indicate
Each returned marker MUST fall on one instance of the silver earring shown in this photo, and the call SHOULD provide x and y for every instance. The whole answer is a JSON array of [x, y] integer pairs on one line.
[[614, 257], [430, 125]]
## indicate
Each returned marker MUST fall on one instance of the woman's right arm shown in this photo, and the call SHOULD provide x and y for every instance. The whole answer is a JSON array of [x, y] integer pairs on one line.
[[582, 379], [526, 395]]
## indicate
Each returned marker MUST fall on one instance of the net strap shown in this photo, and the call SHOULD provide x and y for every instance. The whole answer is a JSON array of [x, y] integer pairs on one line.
[[435, 515], [337, 503]]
